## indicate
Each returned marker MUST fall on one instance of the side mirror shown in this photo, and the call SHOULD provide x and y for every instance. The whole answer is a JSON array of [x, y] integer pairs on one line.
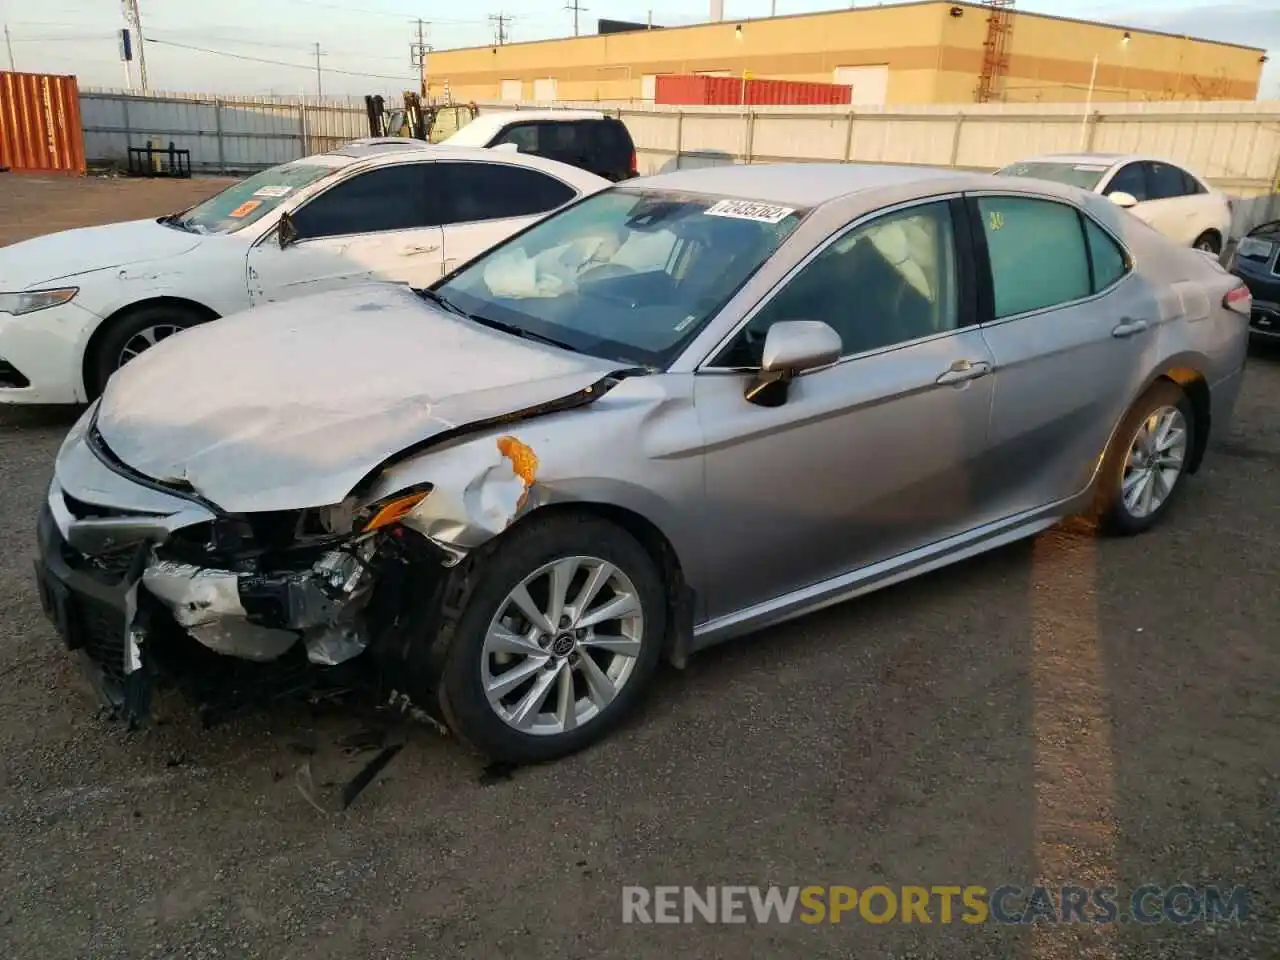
[[790, 348], [1122, 199], [508, 147], [286, 232]]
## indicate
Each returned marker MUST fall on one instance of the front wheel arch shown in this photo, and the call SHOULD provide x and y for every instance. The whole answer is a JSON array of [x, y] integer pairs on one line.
[[680, 600], [93, 345]]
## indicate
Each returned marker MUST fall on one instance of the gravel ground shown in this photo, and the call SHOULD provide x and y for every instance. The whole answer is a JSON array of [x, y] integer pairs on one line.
[[1079, 710]]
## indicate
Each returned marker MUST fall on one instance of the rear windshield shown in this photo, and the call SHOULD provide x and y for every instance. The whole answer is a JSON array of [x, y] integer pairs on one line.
[[250, 200], [1083, 175]]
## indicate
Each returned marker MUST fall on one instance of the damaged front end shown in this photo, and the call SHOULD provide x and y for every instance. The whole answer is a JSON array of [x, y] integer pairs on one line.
[[165, 588], [232, 610]]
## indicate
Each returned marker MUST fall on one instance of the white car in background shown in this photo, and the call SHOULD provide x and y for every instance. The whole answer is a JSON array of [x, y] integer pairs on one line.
[[77, 305], [1170, 198]]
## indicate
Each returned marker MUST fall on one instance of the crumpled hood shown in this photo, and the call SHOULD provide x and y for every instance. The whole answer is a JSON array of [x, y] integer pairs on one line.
[[70, 252], [290, 405]]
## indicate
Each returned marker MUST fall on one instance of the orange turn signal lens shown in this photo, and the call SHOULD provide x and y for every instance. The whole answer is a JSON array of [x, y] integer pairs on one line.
[[393, 511]]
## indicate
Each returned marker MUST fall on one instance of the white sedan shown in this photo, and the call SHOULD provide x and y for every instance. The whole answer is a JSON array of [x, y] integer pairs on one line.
[[75, 306], [1170, 198]]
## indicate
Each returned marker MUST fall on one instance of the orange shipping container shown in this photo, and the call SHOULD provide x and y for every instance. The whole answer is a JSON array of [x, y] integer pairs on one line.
[[40, 126], [694, 89]]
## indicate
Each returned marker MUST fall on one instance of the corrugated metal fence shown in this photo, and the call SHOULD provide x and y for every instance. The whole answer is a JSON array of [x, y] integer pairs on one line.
[[40, 123], [224, 134], [1235, 145]]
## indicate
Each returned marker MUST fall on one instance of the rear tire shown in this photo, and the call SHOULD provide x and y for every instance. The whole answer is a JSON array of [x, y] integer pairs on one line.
[[570, 686], [1209, 242], [132, 333], [1145, 466]]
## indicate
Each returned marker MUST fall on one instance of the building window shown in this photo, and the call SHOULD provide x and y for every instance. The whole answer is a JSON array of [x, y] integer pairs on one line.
[[511, 91]]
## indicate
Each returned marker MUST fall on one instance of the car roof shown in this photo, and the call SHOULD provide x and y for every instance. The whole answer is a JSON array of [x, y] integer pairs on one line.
[[508, 116], [798, 184], [488, 125], [418, 150], [367, 145]]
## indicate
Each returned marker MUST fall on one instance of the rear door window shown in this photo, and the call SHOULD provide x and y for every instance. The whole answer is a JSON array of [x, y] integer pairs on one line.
[[1190, 185], [1038, 254], [476, 191], [1164, 181]]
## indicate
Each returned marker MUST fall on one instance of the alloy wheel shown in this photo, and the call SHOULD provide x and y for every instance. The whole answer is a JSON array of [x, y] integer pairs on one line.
[[562, 645], [145, 339], [1155, 461]]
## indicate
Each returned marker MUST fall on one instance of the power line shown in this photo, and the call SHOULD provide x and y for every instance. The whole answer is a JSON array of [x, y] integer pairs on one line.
[[500, 22], [276, 63], [577, 8], [418, 56]]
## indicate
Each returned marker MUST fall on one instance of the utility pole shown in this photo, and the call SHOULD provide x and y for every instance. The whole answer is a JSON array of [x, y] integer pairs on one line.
[[418, 56], [319, 77], [500, 26], [8, 42], [577, 8], [133, 16]]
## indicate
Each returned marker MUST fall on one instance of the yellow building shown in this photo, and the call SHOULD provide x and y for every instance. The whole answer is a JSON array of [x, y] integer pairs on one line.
[[907, 53]]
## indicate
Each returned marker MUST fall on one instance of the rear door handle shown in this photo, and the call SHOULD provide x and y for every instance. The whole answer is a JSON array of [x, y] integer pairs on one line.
[[411, 250], [1128, 327], [962, 371]]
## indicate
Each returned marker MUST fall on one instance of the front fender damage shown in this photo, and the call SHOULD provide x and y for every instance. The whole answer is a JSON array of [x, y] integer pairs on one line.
[[385, 599], [475, 496]]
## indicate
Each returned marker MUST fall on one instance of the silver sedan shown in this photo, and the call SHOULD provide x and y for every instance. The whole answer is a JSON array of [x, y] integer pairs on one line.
[[683, 409]]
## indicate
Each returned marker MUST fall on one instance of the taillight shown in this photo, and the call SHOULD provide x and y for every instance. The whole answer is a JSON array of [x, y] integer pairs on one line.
[[635, 165], [1239, 299]]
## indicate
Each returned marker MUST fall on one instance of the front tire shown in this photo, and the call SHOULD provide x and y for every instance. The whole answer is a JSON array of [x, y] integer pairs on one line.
[[1144, 468], [131, 334], [557, 643]]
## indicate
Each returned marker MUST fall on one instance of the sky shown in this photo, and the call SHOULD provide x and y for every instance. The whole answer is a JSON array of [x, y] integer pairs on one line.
[[269, 46]]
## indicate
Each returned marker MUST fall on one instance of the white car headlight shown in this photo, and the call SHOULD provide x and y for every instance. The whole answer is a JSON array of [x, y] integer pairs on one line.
[[30, 301]]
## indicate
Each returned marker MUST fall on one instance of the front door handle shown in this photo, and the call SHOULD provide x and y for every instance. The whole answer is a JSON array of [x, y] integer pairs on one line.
[[1129, 327], [410, 251], [962, 371]]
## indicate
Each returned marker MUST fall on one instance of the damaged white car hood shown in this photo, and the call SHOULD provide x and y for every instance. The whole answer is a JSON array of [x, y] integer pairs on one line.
[[71, 252], [291, 405]]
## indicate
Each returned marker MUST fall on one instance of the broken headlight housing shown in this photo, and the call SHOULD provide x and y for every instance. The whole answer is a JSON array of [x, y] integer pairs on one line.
[[29, 301], [389, 510]]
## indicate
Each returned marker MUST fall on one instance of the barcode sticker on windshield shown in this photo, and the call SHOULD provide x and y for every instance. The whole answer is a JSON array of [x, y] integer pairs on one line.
[[750, 210], [273, 191]]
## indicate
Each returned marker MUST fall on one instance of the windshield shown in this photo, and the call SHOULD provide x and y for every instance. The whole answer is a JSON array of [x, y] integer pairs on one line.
[[252, 199], [1083, 175], [630, 275]]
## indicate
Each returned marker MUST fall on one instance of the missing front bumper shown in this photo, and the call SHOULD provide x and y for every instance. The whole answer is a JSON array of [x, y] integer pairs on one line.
[[137, 624]]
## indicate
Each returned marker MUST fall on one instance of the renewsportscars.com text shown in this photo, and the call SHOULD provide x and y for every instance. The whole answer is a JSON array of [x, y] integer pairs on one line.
[[1008, 904]]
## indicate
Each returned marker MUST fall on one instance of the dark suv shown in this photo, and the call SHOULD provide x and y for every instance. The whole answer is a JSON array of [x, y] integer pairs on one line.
[[592, 141], [1256, 261]]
